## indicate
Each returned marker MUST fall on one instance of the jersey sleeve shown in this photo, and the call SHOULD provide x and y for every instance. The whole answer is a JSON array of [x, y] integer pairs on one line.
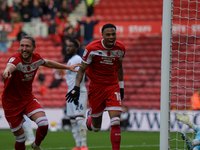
[[13, 61], [87, 55], [39, 57], [123, 50]]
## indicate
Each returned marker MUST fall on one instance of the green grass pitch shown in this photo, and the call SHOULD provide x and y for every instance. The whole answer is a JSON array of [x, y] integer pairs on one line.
[[63, 140]]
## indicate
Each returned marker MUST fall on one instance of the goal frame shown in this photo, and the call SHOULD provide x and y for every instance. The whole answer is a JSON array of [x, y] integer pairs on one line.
[[165, 75]]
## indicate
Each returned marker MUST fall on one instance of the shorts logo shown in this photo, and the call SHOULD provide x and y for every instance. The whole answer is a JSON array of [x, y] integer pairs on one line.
[[11, 59]]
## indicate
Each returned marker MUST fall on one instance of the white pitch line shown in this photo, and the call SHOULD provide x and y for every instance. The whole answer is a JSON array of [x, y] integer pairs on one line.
[[95, 147]]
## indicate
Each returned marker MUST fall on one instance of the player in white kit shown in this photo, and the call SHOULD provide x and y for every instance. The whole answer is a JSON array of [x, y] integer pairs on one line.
[[30, 137], [77, 110]]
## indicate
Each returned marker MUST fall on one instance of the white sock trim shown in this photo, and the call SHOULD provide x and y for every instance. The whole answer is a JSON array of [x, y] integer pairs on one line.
[[20, 138]]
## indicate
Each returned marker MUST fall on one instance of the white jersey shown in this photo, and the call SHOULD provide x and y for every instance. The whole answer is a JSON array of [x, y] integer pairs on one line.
[[72, 109], [71, 76]]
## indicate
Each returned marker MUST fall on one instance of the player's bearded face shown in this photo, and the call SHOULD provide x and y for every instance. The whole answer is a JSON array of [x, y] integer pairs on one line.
[[26, 48], [109, 35]]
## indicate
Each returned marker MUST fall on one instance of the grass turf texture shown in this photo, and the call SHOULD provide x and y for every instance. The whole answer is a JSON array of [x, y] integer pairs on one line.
[[63, 140]]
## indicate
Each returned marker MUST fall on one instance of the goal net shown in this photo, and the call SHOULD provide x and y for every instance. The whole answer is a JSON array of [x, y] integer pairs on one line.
[[184, 70]]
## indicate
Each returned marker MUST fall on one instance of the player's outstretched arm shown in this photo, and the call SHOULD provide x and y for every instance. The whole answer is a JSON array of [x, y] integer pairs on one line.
[[8, 71], [185, 119], [73, 95], [56, 65]]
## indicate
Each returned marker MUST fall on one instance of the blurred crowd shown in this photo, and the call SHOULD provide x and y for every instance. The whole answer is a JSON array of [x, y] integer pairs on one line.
[[35, 10], [55, 14]]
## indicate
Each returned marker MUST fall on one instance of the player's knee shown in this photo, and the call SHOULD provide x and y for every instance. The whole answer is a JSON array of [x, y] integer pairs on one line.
[[20, 138], [95, 129], [42, 121], [115, 121], [81, 122]]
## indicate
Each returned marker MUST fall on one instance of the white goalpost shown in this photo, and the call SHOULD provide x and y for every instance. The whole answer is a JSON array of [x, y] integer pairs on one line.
[[180, 68], [165, 75]]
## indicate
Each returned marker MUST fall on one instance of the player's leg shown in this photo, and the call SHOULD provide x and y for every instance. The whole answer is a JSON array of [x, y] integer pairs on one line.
[[70, 109], [82, 131], [20, 139], [16, 127], [30, 137], [18, 131], [94, 121], [75, 133], [36, 113], [80, 113], [41, 120], [115, 134]]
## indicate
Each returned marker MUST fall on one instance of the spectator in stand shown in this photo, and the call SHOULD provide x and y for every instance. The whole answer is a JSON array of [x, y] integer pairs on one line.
[[47, 18], [43, 5], [16, 4], [124, 118], [58, 77], [64, 8], [17, 96], [4, 39], [90, 7], [88, 29], [69, 33], [25, 11], [41, 78], [52, 8], [195, 100], [36, 13], [52, 27], [15, 18], [70, 5], [4, 12], [20, 34]]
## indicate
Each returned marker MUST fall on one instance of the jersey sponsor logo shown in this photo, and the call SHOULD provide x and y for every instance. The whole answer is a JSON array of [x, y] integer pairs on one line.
[[28, 77], [11, 59], [107, 60]]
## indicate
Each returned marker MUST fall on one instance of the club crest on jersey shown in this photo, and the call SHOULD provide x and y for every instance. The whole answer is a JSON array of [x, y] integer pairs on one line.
[[11, 59]]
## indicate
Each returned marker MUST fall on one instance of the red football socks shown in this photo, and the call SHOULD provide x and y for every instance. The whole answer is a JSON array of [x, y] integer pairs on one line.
[[20, 146], [115, 137], [40, 134]]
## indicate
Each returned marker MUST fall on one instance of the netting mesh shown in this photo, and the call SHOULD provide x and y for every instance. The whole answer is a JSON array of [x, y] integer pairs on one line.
[[185, 64]]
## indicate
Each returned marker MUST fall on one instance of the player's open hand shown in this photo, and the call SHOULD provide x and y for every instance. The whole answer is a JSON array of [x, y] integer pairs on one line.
[[73, 95], [72, 67]]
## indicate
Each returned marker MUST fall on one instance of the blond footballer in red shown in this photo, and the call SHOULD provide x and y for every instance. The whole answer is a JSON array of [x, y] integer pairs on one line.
[[17, 97], [102, 61]]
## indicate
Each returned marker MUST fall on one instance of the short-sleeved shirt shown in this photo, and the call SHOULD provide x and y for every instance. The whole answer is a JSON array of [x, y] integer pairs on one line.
[[103, 62], [18, 88], [71, 75]]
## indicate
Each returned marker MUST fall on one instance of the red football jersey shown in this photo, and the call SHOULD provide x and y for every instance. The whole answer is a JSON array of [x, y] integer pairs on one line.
[[19, 86], [103, 62]]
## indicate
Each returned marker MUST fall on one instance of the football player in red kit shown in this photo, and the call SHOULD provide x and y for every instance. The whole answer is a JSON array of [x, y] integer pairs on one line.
[[102, 61], [17, 96]]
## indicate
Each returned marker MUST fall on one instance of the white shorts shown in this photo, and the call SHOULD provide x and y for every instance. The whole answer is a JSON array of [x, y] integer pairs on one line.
[[80, 110]]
